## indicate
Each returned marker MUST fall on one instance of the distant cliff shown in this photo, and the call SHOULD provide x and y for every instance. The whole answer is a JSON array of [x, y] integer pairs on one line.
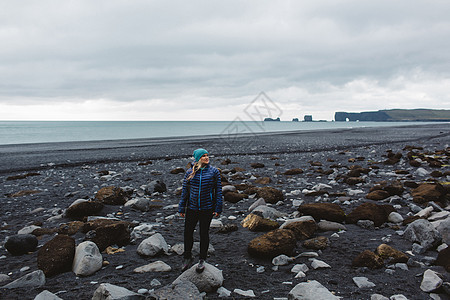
[[396, 115]]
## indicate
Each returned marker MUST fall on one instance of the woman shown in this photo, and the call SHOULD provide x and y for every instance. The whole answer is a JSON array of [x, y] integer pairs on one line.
[[201, 199]]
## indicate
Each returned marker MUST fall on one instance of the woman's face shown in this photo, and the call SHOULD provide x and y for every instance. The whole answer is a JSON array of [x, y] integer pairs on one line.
[[204, 160]]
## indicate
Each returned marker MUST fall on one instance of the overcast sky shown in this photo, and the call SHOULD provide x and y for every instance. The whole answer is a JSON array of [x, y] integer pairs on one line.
[[208, 60]]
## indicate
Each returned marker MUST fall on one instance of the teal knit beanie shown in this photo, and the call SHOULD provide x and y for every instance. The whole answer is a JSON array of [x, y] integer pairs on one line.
[[198, 153]]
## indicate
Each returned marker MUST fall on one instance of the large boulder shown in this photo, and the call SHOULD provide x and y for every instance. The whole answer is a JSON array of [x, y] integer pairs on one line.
[[368, 259], [153, 246], [311, 290], [302, 229], [426, 192], [256, 223], [431, 281], [156, 186], [46, 295], [33, 279], [87, 260], [273, 243], [56, 256], [20, 244], [270, 194], [394, 255], [207, 281], [108, 232], [83, 208], [107, 291], [185, 290], [111, 195], [423, 232], [323, 211], [370, 211]]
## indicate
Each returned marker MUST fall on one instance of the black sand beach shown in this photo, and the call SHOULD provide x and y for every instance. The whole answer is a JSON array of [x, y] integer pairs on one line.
[[69, 171]]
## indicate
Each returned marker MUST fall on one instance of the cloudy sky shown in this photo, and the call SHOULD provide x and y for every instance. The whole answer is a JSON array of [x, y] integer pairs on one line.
[[208, 60]]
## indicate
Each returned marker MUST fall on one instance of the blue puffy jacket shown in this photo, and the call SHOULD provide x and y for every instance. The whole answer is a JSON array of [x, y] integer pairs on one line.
[[199, 194]]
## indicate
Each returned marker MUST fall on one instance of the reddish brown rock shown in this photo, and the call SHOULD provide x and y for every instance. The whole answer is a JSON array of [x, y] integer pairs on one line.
[[368, 259], [414, 163], [270, 194], [111, 195], [370, 211], [323, 211], [177, 171], [79, 210], [293, 171], [302, 229], [443, 259], [256, 223], [56, 256], [263, 180], [115, 233], [354, 180], [318, 243], [394, 255], [257, 165], [234, 197], [23, 193], [70, 228], [426, 192], [273, 243], [377, 195]]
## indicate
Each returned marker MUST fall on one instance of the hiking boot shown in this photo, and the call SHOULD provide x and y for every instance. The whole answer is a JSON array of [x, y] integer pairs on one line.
[[186, 264], [200, 266]]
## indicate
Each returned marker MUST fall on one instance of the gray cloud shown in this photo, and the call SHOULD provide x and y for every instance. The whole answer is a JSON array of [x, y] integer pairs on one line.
[[309, 55]]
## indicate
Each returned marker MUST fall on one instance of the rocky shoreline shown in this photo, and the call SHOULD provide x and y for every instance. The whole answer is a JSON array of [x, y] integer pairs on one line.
[[354, 213]]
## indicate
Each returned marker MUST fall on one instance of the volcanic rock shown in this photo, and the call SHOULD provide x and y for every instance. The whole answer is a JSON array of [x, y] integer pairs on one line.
[[370, 211], [256, 223], [302, 229], [317, 243], [394, 255], [368, 259], [56, 256], [83, 208], [20, 244], [273, 243], [323, 211], [111, 195], [234, 197], [270, 194]]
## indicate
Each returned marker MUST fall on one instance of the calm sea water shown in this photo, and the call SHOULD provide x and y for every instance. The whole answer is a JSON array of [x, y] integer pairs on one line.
[[22, 132]]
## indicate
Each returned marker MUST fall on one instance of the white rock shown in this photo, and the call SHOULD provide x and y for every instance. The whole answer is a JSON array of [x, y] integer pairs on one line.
[[321, 186], [223, 292], [215, 223], [228, 188], [142, 204], [207, 281], [421, 172], [282, 260], [351, 192], [143, 230], [155, 282], [297, 203], [444, 229], [257, 203], [300, 268], [232, 218], [28, 229], [142, 291], [4, 278], [300, 275], [311, 290], [308, 254], [301, 219], [425, 213], [33, 279], [268, 212], [431, 281], [87, 260], [248, 293], [325, 225], [46, 295], [107, 291], [422, 231], [395, 217], [157, 266], [318, 264], [179, 249], [398, 297], [401, 266], [363, 282], [153, 245], [439, 216]]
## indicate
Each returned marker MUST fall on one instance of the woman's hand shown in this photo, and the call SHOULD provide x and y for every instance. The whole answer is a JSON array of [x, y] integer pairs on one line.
[[216, 214], [182, 215]]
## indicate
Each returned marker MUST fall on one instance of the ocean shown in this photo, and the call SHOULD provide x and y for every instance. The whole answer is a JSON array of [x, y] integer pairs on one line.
[[25, 132]]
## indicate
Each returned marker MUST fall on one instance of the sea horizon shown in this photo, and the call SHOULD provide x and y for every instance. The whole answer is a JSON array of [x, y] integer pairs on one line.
[[29, 132]]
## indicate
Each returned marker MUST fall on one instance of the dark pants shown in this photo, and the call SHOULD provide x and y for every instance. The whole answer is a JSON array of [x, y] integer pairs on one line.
[[203, 217]]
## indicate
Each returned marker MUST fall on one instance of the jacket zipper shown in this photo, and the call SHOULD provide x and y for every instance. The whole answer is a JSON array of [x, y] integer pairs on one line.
[[200, 188]]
